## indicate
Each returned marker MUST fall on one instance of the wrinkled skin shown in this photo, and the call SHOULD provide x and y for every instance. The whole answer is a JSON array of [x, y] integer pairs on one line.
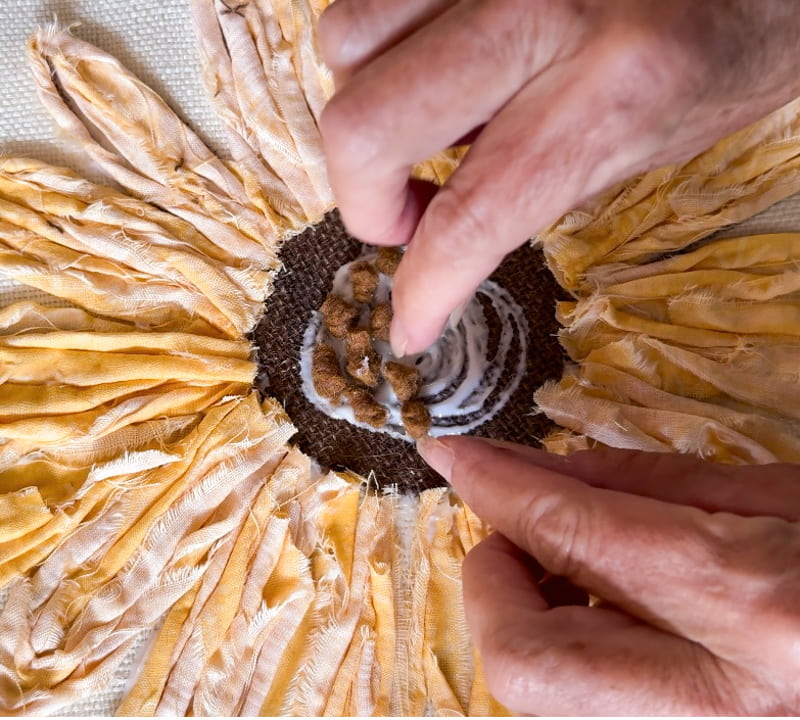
[[697, 565], [567, 98]]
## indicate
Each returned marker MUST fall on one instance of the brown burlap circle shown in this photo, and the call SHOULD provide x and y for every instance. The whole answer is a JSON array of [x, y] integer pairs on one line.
[[310, 261]]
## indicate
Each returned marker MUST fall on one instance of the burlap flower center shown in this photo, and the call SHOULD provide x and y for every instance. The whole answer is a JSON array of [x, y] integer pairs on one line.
[[310, 261]]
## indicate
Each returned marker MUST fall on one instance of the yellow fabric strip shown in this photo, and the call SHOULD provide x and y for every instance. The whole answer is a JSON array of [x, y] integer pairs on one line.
[[154, 155], [30, 316], [670, 208], [85, 368], [122, 257], [447, 650]]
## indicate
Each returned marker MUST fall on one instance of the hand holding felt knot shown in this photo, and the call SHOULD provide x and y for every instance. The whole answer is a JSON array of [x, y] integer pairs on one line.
[[563, 97]]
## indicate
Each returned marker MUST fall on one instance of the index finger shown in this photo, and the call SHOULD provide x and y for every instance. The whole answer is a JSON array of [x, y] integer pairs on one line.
[[354, 32], [418, 98]]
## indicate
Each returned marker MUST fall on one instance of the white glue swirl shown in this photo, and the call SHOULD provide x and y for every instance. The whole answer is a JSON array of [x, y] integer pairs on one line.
[[464, 382]]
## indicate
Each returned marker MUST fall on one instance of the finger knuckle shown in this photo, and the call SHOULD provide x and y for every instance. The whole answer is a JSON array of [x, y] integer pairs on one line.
[[650, 62], [751, 553], [560, 534], [513, 670], [712, 49], [347, 132], [520, 669], [505, 43], [720, 543], [755, 561], [559, 29], [458, 220], [724, 539]]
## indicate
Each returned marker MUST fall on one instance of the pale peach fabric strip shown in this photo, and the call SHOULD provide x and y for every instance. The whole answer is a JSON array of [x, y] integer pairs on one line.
[[266, 100], [121, 257], [668, 209], [619, 410], [135, 138], [262, 68]]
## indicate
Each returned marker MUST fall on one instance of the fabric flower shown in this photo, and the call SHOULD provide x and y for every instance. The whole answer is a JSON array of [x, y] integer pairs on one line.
[[144, 481]]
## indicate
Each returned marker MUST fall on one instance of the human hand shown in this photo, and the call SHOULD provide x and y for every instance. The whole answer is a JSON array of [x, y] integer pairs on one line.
[[570, 97], [698, 565]]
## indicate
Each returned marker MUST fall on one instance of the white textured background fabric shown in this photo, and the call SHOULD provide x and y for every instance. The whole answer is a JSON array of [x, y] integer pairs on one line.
[[154, 39]]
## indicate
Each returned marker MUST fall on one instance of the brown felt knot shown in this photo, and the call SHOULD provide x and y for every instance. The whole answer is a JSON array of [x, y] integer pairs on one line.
[[365, 281], [416, 418], [405, 381], [358, 343], [363, 363], [326, 373], [388, 259], [365, 408], [379, 321], [338, 315], [362, 381], [366, 369]]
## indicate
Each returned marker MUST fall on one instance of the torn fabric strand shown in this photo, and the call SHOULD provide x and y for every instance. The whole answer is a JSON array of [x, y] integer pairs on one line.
[[684, 343], [668, 209]]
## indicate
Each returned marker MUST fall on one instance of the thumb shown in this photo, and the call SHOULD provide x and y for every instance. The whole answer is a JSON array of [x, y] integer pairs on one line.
[[746, 490], [642, 555]]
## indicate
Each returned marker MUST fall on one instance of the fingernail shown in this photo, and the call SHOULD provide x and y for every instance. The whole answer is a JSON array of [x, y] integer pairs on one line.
[[457, 314], [397, 339], [437, 455]]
